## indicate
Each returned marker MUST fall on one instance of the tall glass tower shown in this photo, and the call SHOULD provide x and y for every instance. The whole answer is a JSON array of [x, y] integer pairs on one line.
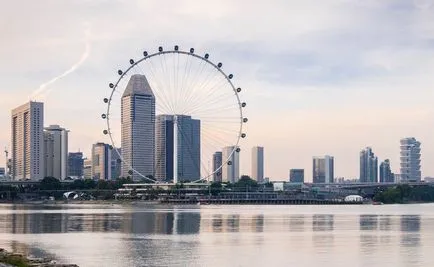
[[138, 128], [368, 166], [183, 132]]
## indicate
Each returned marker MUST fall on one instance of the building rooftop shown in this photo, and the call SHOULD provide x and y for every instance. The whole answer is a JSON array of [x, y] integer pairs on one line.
[[138, 85]]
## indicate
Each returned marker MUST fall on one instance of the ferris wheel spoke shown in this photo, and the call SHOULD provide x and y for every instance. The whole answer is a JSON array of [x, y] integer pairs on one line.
[[164, 98], [207, 104], [223, 109], [191, 88], [208, 95], [166, 77], [200, 88]]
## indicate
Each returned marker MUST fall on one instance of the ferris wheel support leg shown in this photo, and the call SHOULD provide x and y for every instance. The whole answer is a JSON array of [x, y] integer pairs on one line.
[[175, 149]]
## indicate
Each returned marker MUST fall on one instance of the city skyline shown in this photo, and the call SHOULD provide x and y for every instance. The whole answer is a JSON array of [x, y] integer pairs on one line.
[[329, 85]]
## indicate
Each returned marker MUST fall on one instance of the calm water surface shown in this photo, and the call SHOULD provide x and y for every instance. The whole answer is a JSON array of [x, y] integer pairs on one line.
[[145, 235]]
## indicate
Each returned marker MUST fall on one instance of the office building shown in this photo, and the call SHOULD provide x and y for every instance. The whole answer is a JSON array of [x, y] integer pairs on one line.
[[187, 133], [323, 169], [87, 168], [55, 152], [138, 128], [231, 168], [296, 175], [386, 175], [2, 172], [75, 165], [27, 124], [217, 161], [258, 164], [116, 164], [101, 161], [368, 166], [410, 160]]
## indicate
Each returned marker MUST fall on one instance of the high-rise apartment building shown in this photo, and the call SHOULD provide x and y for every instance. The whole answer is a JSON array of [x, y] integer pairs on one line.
[[217, 161], [410, 160], [55, 152], [27, 124], [187, 133], [368, 166], [296, 176], [101, 161], [75, 165], [230, 169], [138, 128], [323, 169], [258, 164], [386, 175]]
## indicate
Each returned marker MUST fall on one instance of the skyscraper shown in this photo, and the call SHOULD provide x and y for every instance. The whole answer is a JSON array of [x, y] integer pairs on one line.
[[296, 175], [27, 156], [138, 128], [258, 164], [56, 152], [323, 169], [410, 160], [87, 168], [116, 164], [75, 165], [217, 158], [231, 168], [187, 133], [386, 175], [101, 161], [368, 166]]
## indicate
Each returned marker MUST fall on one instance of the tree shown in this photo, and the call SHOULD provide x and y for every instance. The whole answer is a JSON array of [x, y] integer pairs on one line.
[[246, 182], [50, 183]]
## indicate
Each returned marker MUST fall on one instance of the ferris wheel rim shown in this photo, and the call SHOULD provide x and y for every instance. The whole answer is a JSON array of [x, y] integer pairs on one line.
[[218, 66]]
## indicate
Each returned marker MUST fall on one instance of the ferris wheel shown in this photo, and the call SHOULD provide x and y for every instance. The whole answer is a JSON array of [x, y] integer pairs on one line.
[[176, 117]]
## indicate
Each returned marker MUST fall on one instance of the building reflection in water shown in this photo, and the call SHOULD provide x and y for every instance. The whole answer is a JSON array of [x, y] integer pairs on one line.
[[368, 222], [322, 222], [410, 240], [167, 222], [323, 226], [296, 223], [385, 223], [410, 230]]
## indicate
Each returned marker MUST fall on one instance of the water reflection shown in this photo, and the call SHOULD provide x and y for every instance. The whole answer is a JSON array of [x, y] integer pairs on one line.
[[322, 222], [410, 228], [410, 239], [296, 223], [368, 222], [171, 222]]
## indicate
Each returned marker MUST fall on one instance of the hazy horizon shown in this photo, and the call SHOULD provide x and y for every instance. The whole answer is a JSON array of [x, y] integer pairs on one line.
[[319, 77]]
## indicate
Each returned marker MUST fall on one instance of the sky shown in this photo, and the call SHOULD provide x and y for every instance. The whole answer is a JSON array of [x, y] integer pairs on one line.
[[320, 77]]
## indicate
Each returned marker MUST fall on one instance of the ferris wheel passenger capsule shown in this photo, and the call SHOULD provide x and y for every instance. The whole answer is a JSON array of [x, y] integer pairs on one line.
[[160, 49], [191, 50], [176, 48], [206, 56], [131, 61]]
